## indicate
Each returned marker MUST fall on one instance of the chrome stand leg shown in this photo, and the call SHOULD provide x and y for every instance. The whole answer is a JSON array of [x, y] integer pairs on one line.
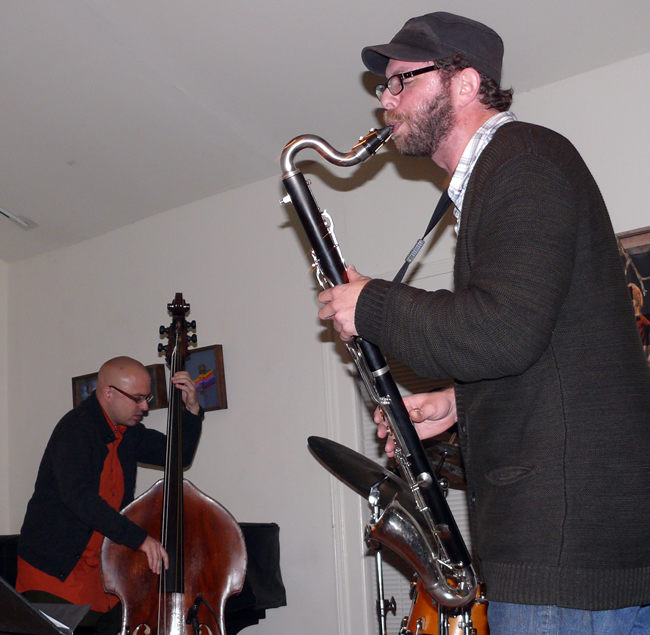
[[443, 622], [383, 605]]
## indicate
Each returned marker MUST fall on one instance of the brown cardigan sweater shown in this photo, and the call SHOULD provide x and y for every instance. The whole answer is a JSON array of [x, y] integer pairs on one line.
[[552, 387]]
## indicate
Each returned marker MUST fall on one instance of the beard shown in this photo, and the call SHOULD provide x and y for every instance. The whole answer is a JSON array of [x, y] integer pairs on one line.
[[428, 126]]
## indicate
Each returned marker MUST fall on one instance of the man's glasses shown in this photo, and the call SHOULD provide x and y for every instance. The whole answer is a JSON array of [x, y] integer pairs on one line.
[[139, 399], [395, 83]]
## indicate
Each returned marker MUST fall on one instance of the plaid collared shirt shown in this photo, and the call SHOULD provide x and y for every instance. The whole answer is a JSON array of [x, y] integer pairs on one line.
[[477, 143]]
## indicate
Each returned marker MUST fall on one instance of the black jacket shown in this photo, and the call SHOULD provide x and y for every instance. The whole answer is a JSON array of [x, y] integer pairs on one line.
[[66, 507]]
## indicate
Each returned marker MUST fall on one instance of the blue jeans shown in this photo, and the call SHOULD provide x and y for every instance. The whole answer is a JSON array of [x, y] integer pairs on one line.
[[526, 619]]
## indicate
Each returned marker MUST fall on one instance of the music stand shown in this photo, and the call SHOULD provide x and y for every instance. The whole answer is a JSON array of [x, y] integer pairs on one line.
[[18, 615]]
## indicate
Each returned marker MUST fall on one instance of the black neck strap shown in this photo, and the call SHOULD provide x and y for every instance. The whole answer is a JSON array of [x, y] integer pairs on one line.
[[438, 213]]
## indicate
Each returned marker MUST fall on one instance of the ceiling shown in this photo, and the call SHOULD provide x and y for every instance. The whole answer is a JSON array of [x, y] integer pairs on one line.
[[115, 110]]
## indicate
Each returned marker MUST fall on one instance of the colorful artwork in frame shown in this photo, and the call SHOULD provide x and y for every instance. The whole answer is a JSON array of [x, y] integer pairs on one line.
[[205, 366], [82, 387], [634, 247]]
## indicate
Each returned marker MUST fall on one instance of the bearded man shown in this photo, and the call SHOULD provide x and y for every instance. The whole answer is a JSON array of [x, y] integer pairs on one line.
[[551, 389]]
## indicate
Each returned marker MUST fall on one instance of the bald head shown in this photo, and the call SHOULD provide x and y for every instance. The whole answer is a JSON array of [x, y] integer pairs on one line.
[[119, 381], [116, 368]]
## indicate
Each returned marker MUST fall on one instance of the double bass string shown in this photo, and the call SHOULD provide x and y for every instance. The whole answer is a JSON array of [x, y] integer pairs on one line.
[[172, 580]]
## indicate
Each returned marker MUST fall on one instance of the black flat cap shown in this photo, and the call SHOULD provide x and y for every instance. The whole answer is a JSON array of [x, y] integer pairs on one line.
[[436, 36]]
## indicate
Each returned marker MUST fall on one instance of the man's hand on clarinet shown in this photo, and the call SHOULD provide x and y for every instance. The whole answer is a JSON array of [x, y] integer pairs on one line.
[[431, 412], [341, 302]]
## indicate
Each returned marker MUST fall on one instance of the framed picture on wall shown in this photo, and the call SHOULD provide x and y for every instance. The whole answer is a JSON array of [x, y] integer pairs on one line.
[[158, 386], [634, 247], [84, 385], [205, 366]]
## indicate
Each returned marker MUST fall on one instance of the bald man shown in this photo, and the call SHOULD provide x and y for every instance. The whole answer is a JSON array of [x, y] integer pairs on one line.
[[87, 475]]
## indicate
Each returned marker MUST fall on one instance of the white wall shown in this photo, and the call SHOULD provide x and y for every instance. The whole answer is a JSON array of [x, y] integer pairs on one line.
[[248, 280], [250, 289], [5, 525], [604, 114]]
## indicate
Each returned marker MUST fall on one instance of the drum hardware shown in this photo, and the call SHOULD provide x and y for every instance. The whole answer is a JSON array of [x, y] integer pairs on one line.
[[427, 617], [384, 606], [446, 458], [379, 486], [361, 473]]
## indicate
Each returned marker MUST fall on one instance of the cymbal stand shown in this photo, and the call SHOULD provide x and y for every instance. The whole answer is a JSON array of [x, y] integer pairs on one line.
[[443, 481], [383, 605]]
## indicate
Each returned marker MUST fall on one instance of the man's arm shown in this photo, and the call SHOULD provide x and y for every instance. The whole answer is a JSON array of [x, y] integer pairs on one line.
[[515, 264], [77, 459]]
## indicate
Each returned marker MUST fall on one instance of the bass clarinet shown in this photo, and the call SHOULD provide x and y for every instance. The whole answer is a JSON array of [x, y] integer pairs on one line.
[[436, 552]]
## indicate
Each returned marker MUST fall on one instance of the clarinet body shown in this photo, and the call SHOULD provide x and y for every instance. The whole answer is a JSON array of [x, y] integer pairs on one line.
[[437, 553]]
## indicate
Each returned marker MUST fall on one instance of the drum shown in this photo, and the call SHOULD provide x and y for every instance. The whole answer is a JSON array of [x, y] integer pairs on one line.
[[424, 616]]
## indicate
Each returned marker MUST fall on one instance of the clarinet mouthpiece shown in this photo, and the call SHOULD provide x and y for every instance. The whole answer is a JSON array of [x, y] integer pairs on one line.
[[372, 142]]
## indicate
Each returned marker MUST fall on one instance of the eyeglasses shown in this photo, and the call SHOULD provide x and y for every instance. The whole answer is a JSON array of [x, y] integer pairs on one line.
[[395, 83], [139, 399]]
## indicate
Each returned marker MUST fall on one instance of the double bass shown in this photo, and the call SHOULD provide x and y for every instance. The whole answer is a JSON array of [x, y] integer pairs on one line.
[[205, 545]]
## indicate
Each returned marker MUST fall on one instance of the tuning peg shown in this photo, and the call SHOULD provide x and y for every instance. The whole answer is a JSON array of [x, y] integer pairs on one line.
[[162, 348], [191, 339], [163, 330], [191, 325]]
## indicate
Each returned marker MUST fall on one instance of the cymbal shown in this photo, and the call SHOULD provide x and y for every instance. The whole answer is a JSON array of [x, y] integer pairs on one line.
[[452, 465], [360, 473]]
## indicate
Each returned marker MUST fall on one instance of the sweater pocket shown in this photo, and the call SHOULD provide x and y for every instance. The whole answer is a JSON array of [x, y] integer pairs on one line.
[[509, 474]]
